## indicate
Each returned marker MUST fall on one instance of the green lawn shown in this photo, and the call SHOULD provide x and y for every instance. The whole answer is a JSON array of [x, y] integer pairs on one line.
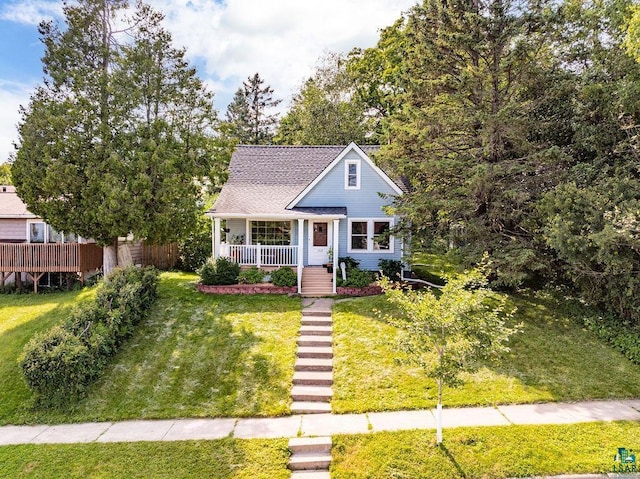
[[553, 359], [22, 315], [196, 355], [223, 459], [483, 452]]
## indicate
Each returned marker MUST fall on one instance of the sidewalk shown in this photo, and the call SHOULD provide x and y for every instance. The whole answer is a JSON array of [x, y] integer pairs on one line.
[[319, 424]]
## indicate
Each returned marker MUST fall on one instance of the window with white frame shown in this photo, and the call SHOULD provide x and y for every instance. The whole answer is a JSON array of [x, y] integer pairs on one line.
[[273, 233], [352, 175], [370, 235], [36, 232], [40, 232]]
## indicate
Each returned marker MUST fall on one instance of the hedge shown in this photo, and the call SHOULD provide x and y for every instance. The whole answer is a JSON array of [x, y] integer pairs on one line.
[[59, 364]]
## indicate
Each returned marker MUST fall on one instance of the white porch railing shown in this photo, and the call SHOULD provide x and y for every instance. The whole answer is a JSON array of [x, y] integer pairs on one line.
[[260, 255]]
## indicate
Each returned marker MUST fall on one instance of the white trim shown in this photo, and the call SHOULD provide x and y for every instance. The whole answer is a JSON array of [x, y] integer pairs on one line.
[[310, 240], [45, 234], [300, 252], [274, 217], [351, 147], [370, 235], [336, 251], [347, 164]]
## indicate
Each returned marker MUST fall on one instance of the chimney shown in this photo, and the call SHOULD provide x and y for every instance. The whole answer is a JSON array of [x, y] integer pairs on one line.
[[4, 189]]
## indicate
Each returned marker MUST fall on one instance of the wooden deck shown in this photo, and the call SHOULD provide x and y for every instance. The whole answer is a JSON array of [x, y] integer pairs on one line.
[[38, 259]]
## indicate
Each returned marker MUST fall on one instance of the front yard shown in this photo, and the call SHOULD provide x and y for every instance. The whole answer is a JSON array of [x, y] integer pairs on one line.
[[205, 356], [552, 359], [195, 356]]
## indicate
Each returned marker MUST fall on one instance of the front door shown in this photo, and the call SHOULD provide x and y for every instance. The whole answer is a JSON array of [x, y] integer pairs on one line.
[[318, 242]]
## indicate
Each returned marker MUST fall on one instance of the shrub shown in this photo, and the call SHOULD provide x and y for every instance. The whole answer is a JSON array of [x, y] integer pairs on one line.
[[357, 279], [195, 250], [349, 262], [391, 268], [253, 275], [223, 271], [621, 335], [59, 364], [284, 276]]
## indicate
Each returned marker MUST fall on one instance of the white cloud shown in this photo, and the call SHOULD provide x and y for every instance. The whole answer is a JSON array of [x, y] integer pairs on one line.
[[12, 95], [280, 39], [31, 12], [233, 39]]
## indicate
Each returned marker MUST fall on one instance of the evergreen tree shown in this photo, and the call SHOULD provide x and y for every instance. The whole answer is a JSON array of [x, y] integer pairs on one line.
[[114, 140], [466, 95], [249, 115]]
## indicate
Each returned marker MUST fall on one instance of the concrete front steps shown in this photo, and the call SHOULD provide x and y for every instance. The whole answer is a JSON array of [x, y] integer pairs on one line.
[[310, 457], [316, 282], [313, 375]]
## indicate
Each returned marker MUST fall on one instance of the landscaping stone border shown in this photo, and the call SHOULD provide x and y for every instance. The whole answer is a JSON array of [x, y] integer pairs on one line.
[[263, 288], [349, 291]]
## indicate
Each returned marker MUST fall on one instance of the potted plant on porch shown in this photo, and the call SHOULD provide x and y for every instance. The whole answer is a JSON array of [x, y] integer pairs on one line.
[[329, 265]]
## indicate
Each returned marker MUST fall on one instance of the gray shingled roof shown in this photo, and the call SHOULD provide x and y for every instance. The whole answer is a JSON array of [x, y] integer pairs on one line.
[[265, 179]]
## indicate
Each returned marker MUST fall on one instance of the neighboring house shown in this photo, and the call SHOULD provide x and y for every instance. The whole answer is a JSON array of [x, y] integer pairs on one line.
[[305, 206], [30, 248]]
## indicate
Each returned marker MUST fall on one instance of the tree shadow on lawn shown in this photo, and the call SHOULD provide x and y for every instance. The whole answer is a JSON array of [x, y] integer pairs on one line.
[[194, 356], [555, 355]]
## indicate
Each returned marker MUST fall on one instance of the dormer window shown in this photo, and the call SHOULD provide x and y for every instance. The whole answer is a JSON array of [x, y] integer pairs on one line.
[[352, 175]]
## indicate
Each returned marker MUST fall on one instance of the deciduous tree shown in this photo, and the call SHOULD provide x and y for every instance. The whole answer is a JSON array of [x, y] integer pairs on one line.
[[452, 331], [326, 110]]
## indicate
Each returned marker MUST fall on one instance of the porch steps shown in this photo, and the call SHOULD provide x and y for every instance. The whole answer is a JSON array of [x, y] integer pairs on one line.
[[310, 457], [313, 375], [316, 282]]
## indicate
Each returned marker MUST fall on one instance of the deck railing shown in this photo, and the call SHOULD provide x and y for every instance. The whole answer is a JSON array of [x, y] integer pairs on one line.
[[260, 255], [50, 258]]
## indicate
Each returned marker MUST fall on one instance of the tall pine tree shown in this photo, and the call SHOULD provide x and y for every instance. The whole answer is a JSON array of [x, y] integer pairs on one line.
[[115, 139], [250, 117], [465, 91]]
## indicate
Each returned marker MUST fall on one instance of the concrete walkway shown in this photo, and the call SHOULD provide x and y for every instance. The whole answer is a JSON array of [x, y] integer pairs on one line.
[[319, 424]]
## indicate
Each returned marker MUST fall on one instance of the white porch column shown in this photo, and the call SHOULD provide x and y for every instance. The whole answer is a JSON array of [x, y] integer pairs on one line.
[[336, 250], [216, 238], [300, 252]]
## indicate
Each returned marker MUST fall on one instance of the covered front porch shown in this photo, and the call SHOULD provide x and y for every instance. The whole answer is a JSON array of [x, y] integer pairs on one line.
[[308, 239]]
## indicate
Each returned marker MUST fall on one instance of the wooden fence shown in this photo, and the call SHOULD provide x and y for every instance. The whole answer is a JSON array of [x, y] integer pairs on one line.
[[160, 256]]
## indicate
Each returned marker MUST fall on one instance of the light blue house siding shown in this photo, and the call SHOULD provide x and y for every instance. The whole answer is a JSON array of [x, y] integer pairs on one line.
[[362, 204]]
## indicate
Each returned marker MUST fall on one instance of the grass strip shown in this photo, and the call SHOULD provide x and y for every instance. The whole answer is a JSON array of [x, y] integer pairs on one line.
[[223, 459], [484, 452]]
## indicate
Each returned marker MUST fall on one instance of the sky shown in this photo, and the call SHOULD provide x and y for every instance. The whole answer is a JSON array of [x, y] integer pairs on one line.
[[226, 40]]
